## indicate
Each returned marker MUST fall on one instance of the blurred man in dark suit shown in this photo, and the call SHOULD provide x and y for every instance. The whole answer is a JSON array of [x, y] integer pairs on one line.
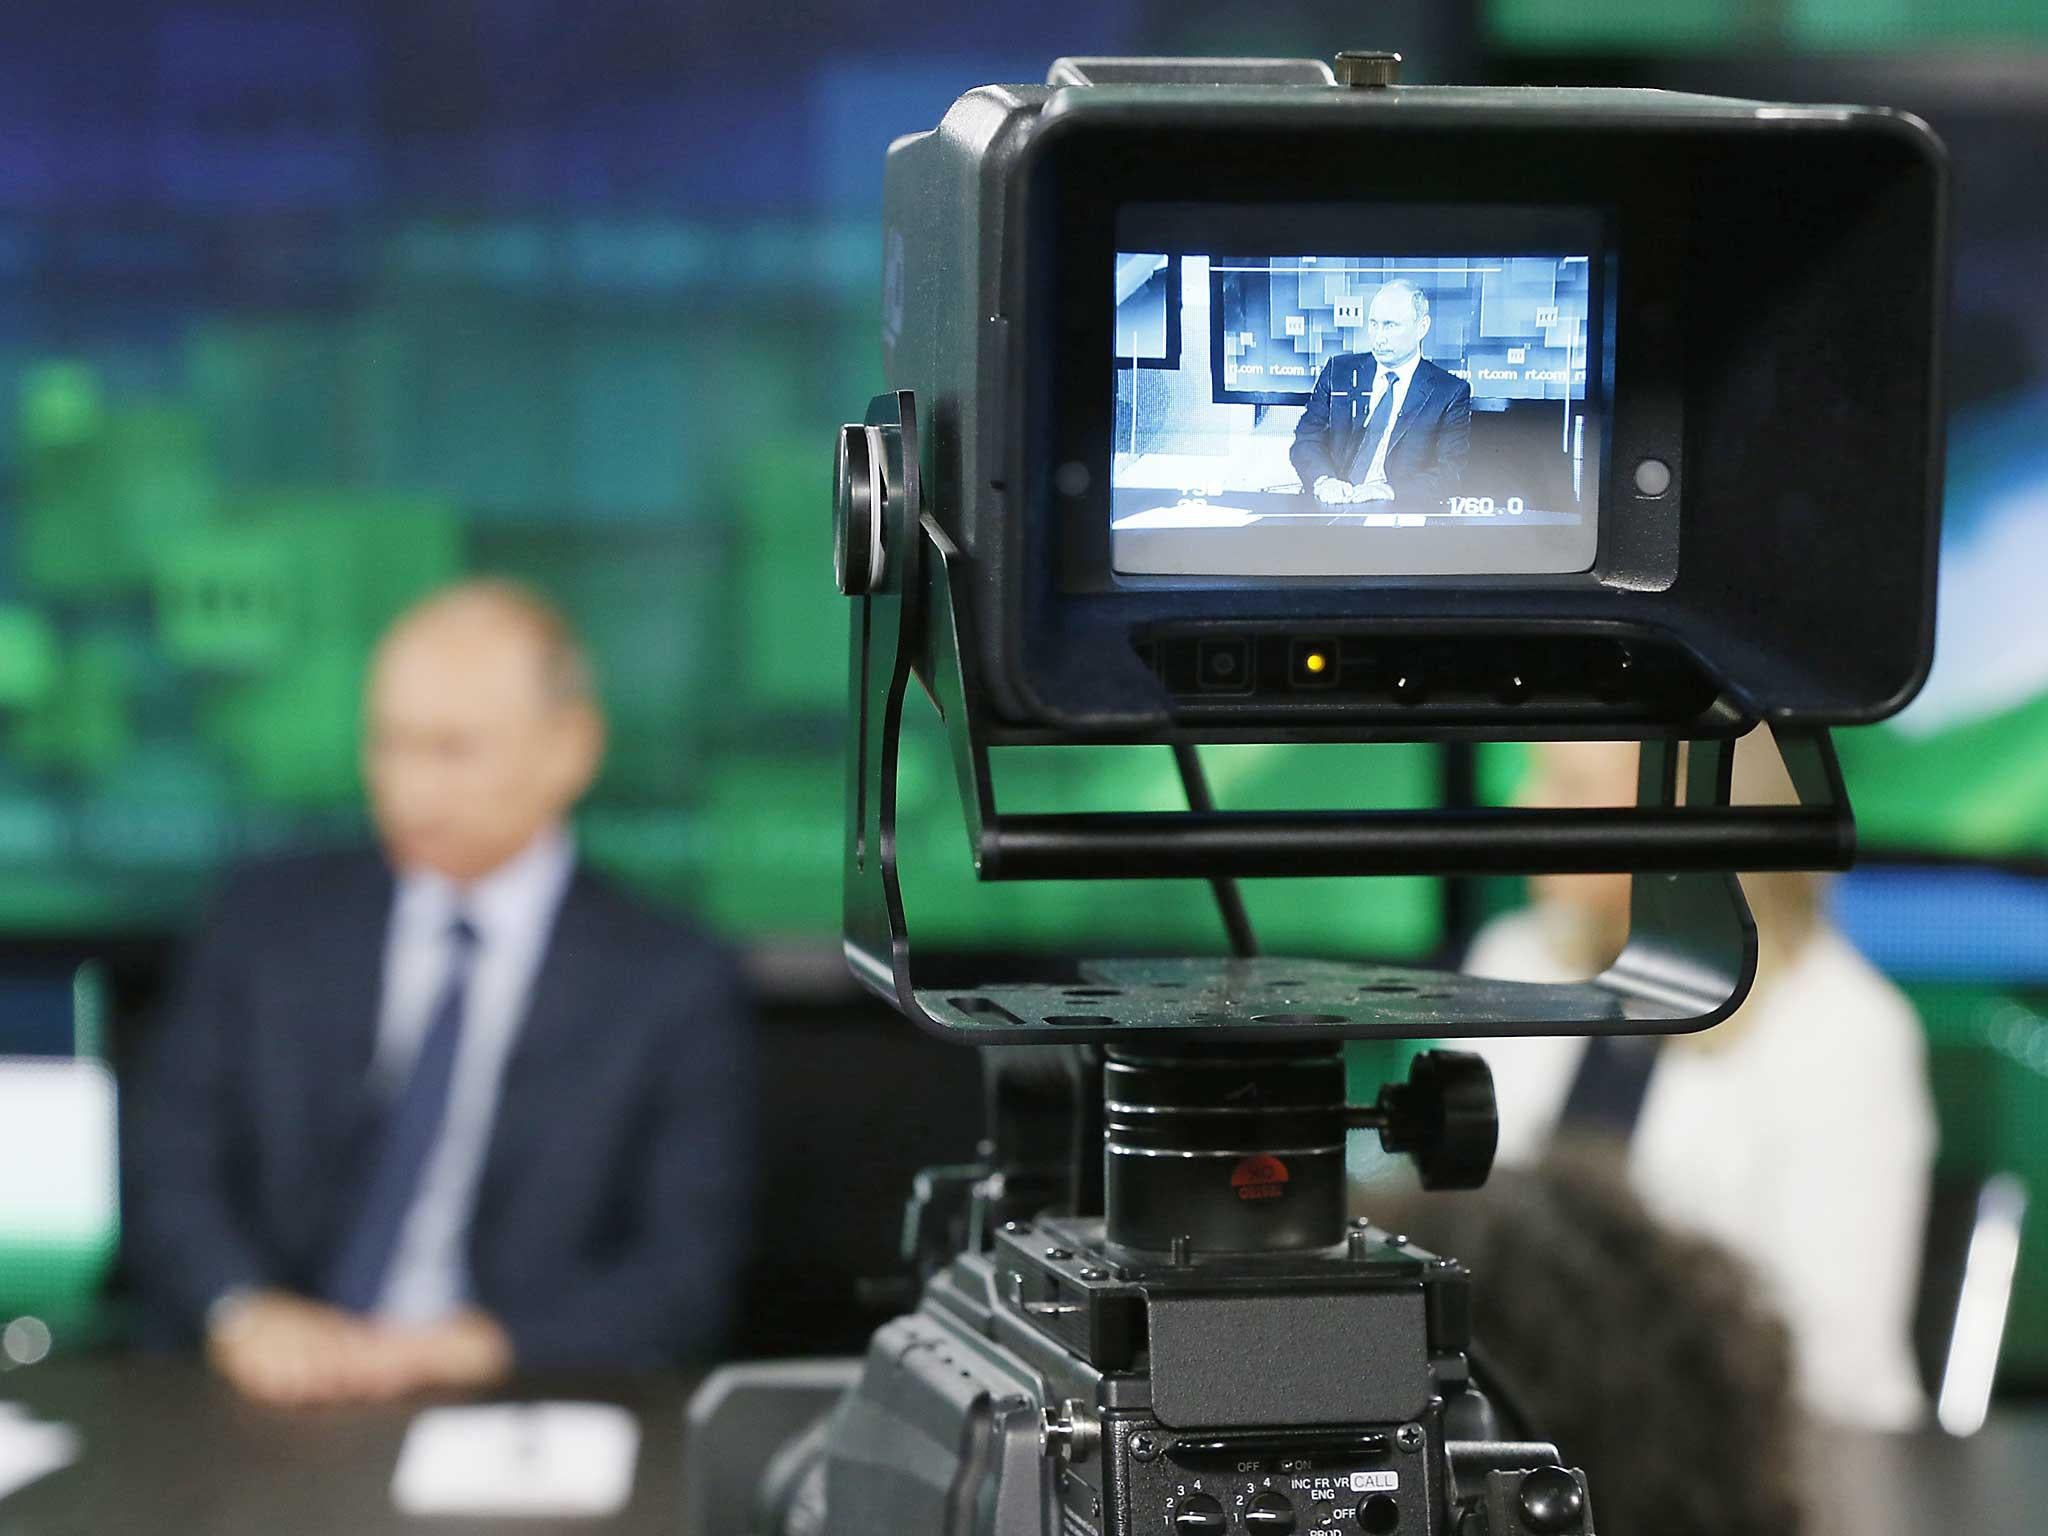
[[1388, 425], [414, 1119]]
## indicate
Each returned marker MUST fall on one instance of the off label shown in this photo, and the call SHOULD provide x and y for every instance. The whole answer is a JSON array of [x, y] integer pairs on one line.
[[1375, 1482]]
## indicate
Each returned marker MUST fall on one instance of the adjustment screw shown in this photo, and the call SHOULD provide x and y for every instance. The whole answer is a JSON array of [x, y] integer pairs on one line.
[[1092, 1273], [1060, 1255], [1016, 1228], [1409, 1437], [1144, 1448]]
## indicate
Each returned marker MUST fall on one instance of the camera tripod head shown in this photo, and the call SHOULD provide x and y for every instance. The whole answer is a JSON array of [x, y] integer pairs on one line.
[[1240, 1150]]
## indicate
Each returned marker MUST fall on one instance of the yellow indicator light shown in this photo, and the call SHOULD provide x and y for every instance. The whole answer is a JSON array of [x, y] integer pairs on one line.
[[1316, 661]]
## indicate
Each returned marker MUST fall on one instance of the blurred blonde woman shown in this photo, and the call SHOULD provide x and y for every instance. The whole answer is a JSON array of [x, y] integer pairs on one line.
[[1800, 1133]]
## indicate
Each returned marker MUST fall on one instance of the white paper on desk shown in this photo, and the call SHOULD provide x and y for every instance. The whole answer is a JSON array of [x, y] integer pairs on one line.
[[518, 1459], [29, 1449]]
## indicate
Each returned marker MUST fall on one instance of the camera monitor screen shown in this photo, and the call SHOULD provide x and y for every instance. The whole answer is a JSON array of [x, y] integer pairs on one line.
[[1357, 414]]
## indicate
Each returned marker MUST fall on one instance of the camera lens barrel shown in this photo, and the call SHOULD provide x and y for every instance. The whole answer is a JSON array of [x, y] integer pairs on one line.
[[1231, 1148]]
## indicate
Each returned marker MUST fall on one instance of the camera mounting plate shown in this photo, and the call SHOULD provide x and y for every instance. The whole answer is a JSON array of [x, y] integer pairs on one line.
[[1281, 998]]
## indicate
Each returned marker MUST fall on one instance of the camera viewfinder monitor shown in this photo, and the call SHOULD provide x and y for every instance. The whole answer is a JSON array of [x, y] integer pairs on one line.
[[1427, 397], [1534, 401]]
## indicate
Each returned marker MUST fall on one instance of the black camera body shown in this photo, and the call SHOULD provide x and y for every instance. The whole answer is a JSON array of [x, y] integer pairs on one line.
[[1179, 1398], [1767, 288], [1229, 403]]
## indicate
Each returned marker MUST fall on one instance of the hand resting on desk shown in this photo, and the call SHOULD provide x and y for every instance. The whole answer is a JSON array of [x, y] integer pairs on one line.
[[1333, 492], [280, 1348]]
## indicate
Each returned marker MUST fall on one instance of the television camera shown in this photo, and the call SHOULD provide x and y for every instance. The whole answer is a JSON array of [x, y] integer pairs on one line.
[[1257, 401]]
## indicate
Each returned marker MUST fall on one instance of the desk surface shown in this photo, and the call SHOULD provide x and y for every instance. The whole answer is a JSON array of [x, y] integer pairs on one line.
[[1993, 1484], [170, 1450]]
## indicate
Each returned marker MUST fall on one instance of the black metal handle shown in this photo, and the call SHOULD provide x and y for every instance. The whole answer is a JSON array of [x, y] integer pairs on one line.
[[1478, 841]]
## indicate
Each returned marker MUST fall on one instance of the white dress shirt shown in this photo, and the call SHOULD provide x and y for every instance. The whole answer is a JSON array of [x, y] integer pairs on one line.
[[513, 911], [1396, 379], [1805, 1143]]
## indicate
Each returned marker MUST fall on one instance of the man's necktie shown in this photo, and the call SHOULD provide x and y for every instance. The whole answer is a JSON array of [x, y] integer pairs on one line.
[[1375, 424], [411, 1127]]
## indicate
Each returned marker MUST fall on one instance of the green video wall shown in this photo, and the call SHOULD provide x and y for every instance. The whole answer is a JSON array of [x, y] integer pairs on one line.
[[300, 320], [210, 516]]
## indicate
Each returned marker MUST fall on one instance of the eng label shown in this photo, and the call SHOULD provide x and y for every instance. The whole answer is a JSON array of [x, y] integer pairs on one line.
[[1375, 1482]]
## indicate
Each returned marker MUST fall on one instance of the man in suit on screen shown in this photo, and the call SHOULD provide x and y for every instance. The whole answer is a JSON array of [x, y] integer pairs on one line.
[[1386, 425], [421, 1115]]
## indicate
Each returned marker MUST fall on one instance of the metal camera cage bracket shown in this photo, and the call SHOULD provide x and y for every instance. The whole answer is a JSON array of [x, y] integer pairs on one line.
[[1691, 950]]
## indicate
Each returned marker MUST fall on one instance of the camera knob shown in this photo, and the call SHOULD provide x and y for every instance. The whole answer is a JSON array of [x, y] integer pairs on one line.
[[1071, 1431], [859, 501], [1445, 1118], [1269, 1514], [1552, 1503], [1200, 1515], [1366, 67]]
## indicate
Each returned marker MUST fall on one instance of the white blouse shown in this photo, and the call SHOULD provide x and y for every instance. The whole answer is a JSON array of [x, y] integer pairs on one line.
[[1805, 1144]]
